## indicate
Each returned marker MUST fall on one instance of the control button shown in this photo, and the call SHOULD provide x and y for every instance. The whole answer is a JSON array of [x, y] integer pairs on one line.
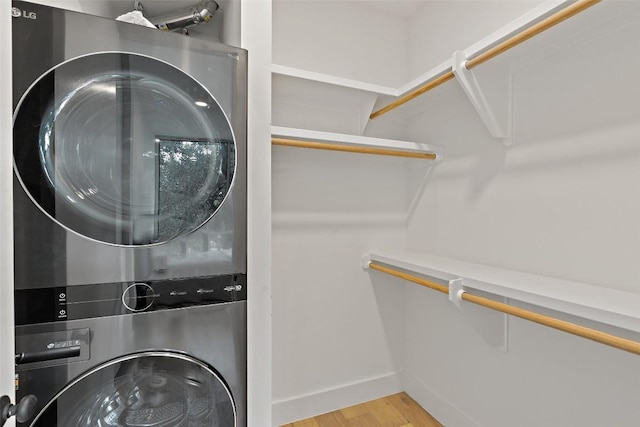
[[177, 293], [205, 291], [233, 288], [138, 297], [61, 296]]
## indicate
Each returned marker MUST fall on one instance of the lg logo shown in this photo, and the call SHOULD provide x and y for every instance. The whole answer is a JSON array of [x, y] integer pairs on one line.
[[17, 13]]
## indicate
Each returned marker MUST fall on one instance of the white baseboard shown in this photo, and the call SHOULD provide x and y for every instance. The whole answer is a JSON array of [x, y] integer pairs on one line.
[[310, 405], [441, 409]]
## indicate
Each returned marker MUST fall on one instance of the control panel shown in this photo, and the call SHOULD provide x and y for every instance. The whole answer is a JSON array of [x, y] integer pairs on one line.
[[107, 299]]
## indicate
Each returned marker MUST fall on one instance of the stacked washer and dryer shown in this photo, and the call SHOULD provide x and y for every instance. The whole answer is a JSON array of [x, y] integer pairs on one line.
[[130, 223]]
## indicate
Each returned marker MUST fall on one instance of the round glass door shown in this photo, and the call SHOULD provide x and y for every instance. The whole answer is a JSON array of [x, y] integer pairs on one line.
[[143, 390], [123, 149]]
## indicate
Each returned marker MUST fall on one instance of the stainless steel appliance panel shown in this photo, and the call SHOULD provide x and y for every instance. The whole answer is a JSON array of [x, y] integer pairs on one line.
[[215, 335], [51, 255]]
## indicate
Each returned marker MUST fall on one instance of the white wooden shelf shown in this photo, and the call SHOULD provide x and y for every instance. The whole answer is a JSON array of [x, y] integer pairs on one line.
[[302, 98], [283, 70], [608, 306], [355, 140]]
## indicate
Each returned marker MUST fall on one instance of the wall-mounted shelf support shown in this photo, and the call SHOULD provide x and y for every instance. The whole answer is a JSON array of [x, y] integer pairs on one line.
[[492, 326], [456, 290], [496, 116], [365, 261]]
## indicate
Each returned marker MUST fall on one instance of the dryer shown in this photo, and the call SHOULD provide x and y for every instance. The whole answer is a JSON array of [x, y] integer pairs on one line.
[[129, 219]]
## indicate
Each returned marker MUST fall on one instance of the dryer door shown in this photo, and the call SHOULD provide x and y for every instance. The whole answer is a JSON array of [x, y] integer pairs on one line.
[[123, 149], [143, 390]]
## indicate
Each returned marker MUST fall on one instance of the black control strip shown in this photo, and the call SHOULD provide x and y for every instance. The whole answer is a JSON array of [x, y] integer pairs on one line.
[[44, 305]]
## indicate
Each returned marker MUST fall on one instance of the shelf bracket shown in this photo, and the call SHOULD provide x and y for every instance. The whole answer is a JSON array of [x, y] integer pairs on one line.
[[366, 260], [492, 326], [456, 290], [495, 115]]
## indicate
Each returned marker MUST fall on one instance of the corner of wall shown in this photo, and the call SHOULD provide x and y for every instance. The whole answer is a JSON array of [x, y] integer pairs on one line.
[[255, 36]]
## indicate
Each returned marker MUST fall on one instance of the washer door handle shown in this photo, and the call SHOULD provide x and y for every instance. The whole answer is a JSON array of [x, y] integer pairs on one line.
[[53, 354], [23, 411]]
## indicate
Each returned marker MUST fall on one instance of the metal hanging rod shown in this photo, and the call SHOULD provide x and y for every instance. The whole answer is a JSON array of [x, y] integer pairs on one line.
[[483, 57], [561, 325], [351, 149]]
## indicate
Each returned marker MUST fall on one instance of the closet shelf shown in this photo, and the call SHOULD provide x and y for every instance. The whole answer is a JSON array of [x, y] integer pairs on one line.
[[305, 138], [604, 305], [285, 71]]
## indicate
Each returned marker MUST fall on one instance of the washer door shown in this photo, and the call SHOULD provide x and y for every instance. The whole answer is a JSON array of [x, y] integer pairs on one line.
[[123, 149], [143, 390]]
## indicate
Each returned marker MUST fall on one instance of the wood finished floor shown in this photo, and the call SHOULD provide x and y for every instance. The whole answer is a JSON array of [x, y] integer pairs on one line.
[[397, 410]]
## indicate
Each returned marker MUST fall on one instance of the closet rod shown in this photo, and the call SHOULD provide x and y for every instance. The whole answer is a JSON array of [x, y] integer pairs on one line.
[[351, 149], [513, 41], [552, 322]]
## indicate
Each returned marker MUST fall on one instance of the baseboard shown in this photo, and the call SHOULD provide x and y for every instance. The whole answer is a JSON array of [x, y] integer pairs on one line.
[[441, 409], [310, 405]]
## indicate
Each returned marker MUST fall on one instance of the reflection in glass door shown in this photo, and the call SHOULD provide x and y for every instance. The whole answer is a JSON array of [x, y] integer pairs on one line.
[[158, 389], [180, 156]]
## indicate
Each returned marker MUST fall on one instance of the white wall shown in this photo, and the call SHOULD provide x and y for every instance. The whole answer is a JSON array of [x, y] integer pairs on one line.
[[337, 339], [6, 213], [562, 203], [346, 39], [255, 36]]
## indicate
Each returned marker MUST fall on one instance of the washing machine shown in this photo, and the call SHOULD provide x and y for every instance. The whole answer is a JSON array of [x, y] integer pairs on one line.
[[129, 223]]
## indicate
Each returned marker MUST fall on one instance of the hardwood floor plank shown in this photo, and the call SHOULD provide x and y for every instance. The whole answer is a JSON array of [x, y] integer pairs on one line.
[[412, 411], [397, 410], [332, 419], [354, 411], [364, 420], [386, 413], [311, 422]]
